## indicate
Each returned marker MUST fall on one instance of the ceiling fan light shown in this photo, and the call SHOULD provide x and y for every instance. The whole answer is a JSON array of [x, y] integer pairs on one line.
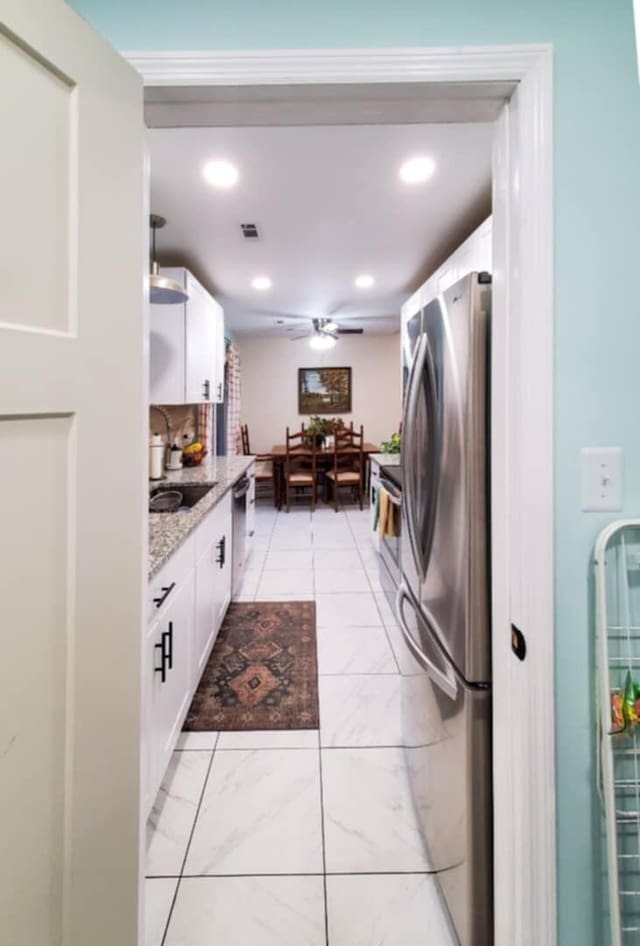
[[330, 326], [321, 342]]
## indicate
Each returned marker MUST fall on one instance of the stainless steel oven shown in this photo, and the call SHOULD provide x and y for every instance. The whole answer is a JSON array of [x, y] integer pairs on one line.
[[390, 561]]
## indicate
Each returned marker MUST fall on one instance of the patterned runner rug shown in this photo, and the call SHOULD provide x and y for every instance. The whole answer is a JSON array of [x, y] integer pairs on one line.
[[263, 670]]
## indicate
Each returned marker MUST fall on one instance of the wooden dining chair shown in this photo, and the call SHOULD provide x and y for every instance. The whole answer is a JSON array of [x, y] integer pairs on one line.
[[265, 473], [300, 471], [348, 464]]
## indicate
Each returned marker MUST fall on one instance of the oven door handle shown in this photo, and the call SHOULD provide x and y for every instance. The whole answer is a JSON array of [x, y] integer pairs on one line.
[[241, 488], [394, 496]]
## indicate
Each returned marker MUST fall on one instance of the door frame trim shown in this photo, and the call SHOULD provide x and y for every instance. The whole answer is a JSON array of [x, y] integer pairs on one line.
[[352, 66], [523, 585]]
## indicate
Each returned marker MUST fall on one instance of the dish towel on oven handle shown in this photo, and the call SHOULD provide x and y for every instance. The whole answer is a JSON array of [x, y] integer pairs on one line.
[[388, 513]]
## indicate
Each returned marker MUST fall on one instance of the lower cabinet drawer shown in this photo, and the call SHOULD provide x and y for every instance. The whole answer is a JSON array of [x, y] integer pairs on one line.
[[168, 686], [211, 526], [161, 590]]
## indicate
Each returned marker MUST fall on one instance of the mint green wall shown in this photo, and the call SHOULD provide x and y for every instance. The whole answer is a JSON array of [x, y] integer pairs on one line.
[[597, 212]]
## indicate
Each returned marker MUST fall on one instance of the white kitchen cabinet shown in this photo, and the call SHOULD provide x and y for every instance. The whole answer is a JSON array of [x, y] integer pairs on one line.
[[201, 340], [186, 604], [217, 391], [169, 678], [186, 346], [167, 354], [213, 580], [222, 583], [474, 255]]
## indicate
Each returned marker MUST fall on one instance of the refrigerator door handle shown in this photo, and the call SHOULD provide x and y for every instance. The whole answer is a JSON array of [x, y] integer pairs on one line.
[[448, 685], [433, 426], [408, 445], [421, 534]]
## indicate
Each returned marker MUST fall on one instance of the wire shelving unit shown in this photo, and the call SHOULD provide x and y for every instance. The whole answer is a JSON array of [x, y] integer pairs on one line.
[[617, 564]]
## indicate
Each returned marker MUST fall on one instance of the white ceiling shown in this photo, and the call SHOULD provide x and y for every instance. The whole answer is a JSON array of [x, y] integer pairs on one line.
[[328, 204]]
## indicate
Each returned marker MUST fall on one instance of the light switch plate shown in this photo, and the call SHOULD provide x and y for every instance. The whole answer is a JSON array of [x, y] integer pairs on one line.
[[601, 478]]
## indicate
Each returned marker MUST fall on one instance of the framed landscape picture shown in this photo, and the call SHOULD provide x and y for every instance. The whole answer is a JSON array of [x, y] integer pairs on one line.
[[324, 390]]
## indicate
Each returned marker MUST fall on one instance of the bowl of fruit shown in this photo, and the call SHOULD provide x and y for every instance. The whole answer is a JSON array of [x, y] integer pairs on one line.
[[194, 454]]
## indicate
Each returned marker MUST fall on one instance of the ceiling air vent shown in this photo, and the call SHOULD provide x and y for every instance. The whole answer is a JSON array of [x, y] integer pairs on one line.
[[250, 231]]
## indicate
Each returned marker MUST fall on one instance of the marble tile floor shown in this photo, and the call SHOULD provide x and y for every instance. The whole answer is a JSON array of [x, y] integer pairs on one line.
[[301, 838]]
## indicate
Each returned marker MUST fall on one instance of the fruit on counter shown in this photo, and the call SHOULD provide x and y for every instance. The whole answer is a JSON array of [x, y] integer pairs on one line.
[[193, 448]]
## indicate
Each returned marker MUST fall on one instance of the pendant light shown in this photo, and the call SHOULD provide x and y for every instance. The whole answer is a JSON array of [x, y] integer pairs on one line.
[[162, 289]]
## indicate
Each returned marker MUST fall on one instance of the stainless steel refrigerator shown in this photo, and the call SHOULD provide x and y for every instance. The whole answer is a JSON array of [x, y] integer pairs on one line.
[[443, 602]]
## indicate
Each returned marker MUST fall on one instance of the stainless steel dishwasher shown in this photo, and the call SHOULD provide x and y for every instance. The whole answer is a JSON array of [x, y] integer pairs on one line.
[[240, 499]]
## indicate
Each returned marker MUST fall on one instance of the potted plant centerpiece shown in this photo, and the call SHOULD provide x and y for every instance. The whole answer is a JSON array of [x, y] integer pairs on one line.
[[393, 445], [322, 427], [318, 428]]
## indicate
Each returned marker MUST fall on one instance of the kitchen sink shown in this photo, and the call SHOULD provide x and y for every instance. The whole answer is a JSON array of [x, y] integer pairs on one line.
[[190, 494]]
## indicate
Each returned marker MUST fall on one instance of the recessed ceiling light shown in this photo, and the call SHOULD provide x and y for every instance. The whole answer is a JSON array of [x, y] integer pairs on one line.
[[417, 170], [364, 281], [221, 174], [261, 283]]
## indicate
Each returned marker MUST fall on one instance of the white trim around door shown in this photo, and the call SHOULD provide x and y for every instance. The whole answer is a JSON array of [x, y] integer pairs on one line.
[[348, 66], [522, 476]]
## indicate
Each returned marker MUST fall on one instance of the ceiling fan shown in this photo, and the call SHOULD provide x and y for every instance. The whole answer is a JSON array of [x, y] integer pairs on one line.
[[324, 333]]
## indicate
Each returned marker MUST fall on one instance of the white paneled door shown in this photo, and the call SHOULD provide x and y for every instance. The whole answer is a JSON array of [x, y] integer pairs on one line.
[[72, 502]]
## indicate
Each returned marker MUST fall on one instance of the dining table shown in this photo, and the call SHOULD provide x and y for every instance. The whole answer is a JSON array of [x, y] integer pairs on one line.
[[324, 459]]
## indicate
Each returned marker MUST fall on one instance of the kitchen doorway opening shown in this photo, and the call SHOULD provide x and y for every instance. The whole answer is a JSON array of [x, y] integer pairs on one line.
[[510, 86]]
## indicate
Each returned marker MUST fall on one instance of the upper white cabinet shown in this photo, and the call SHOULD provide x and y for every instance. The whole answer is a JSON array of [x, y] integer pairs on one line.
[[474, 255], [167, 354], [220, 356], [186, 345]]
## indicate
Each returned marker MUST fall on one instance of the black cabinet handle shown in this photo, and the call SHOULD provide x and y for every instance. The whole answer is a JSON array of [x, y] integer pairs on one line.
[[206, 390], [167, 651], [222, 548], [219, 390], [162, 669], [163, 597]]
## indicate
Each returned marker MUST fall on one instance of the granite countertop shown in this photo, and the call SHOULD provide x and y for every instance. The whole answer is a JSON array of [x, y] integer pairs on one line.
[[386, 459], [168, 530]]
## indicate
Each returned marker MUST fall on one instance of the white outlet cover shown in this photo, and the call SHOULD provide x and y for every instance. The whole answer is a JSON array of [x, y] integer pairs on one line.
[[601, 479]]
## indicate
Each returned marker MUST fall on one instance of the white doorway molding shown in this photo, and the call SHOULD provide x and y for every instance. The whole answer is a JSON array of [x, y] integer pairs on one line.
[[341, 66], [522, 430]]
